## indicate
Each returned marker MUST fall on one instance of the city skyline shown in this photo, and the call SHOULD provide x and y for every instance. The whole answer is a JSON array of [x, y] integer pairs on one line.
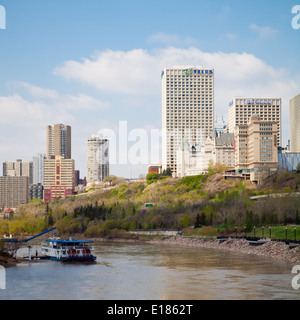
[[91, 66]]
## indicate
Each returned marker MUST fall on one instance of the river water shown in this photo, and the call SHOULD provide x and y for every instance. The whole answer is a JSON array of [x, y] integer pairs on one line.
[[139, 271]]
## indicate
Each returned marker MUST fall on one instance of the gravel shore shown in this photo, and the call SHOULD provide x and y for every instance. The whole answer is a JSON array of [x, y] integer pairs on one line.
[[277, 250]]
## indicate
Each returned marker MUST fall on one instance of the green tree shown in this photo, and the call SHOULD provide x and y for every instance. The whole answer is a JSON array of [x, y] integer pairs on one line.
[[185, 221], [111, 179], [249, 221], [152, 177], [167, 172], [209, 214]]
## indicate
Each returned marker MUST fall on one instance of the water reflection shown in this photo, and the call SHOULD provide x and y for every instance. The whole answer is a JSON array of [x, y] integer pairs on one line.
[[151, 272]]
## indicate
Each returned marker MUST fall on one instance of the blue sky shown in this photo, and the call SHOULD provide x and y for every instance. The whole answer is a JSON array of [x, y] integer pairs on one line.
[[93, 63]]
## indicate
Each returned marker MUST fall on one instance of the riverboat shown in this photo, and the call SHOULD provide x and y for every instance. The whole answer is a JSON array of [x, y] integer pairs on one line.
[[68, 250]]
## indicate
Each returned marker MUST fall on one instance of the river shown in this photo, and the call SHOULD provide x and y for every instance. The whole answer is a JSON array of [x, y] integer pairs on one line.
[[141, 271]]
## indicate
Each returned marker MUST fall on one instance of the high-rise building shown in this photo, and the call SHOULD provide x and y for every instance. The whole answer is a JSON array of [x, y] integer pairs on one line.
[[77, 177], [256, 148], [288, 161], [14, 191], [268, 109], [38, 169], [36, 191], [59, 178], [97, 159], [59, 141], [18, 168], [187, 109], [295, 124]]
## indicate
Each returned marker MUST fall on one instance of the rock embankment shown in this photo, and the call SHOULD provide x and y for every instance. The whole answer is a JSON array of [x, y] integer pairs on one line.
[[277, 250]]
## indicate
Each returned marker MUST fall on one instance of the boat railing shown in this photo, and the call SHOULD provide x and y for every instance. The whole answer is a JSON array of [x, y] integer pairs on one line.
[[76, 250]]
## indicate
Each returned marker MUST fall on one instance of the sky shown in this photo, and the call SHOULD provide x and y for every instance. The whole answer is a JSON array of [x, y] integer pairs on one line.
[[96, 65]]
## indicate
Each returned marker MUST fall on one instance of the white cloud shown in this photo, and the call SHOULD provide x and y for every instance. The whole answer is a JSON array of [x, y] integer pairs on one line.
[[113, 71], [35, 91], [17, 111], [137, 72], [263, 32], [60, 101]]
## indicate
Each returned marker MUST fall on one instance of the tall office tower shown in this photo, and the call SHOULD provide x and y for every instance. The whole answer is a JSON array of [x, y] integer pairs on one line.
[[268, 109], [295, 124], [187, 109], [18, 168], [59, 178], [59, 141], [14, 191], [38, 169], [97, 159], [256, 148], [77, 177]]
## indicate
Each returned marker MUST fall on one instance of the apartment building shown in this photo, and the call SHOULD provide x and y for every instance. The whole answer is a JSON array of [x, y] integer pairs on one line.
[[14, 191], [268, 109], [36, 191], [256, 148], [59, 141], [59, 178], [38, 169], [18, 168], [187, 109], [295, 124], [97, 159]]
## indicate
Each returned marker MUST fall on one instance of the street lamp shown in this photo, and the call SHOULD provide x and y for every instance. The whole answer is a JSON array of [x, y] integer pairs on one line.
[[262, 231], [270, 232]]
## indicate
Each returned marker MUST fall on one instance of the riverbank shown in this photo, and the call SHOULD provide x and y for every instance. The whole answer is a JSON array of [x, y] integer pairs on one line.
[[7, 261], [270, 249]]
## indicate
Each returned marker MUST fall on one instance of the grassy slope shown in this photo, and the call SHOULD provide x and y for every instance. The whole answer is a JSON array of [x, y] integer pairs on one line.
[[176, 201]]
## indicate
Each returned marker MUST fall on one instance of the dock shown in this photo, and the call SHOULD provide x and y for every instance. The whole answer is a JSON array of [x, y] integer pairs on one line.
[[34, 258]]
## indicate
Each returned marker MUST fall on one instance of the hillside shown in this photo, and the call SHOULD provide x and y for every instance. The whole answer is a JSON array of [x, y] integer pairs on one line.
[[206, 200]]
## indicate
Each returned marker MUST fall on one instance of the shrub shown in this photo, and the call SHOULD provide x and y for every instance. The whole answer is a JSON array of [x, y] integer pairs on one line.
[[110, 224], [152, 177], [93, 231]]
